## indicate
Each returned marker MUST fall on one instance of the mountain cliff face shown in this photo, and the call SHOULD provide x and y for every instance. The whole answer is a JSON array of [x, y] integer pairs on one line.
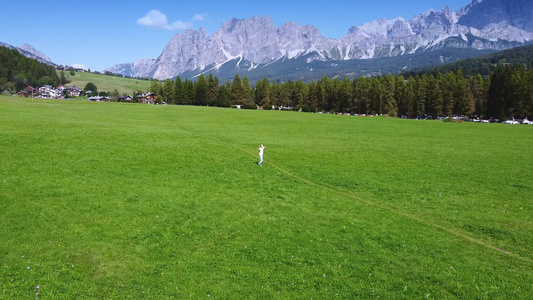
[[31, 52], [34, 52], [255, 43]]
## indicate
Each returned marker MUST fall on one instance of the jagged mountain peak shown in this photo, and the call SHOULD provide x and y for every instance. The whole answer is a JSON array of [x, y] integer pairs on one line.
[[30, 49], [255, 42], [31, 52], [480, 13], [236, 24]]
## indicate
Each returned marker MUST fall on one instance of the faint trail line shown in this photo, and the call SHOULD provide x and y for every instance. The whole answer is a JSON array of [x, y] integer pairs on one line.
[[452, 231], [391, 209]]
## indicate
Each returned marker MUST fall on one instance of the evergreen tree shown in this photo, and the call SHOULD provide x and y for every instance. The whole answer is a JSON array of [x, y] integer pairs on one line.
[[200, 91], [325, 93], [410, 96], [168, 91], [262, 92], [224, 96], [179, 97], [421, 95], [248, 92], [476, 87], [345, 94], [517, 106], [212, 89], [461, 104], [525, 96], [62, 79], [275, 94], [362, 95], [390, 105], [237, 91], [299, 94], [156, 88], [284, 93], [377, 100], [448, 94], [188, 92], [434, 97], [312, 99]]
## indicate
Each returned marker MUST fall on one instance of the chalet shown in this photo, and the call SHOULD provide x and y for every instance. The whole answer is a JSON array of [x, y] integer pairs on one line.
[[149, 98], [47, 91], [60, 90], [29, 91], [74, 91]]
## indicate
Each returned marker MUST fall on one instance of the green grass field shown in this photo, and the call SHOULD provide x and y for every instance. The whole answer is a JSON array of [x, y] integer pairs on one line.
[[106, 83], [111, 200]]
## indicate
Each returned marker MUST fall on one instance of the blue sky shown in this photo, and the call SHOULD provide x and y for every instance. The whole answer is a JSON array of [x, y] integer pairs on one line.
[[100, 34]]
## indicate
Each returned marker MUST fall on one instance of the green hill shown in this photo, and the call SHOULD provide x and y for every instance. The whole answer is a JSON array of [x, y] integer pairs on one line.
[[107, 83]]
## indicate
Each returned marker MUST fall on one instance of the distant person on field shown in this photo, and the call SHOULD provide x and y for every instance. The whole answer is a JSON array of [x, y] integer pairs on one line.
[[261, 148]]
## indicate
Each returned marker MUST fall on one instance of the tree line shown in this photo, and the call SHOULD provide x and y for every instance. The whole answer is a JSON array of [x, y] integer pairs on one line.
[[18, 71], [506, 93], [483, 65]]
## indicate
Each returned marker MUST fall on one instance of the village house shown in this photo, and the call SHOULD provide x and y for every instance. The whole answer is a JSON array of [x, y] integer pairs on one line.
[[60, 90], [47, 91], [29, 91], [74, 91], [149, 98], [99, 99]]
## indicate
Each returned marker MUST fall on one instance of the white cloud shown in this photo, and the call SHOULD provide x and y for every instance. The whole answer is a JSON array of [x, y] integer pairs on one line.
[[153, 19], [199, 17], [157, 19]]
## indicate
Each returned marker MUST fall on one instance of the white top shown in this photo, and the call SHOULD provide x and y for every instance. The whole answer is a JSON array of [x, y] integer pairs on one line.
[[261, 150]]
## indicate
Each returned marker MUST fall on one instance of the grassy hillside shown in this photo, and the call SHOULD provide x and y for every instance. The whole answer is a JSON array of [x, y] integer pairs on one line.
[[111, 200], [108, 83]]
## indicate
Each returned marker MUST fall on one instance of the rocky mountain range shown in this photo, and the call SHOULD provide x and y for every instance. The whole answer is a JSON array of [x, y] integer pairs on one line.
[[29, 51], [255, 45]]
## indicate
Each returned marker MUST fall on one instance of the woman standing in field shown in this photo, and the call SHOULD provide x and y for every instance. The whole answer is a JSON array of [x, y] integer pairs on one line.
[[261, 148]]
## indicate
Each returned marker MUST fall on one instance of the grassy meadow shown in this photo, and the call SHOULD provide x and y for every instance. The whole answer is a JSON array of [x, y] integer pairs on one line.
[[106, 83], [114, 200]]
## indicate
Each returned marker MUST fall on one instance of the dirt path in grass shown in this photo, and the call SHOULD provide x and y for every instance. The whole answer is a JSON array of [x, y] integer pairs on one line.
[[450, 230], [332, 189]]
